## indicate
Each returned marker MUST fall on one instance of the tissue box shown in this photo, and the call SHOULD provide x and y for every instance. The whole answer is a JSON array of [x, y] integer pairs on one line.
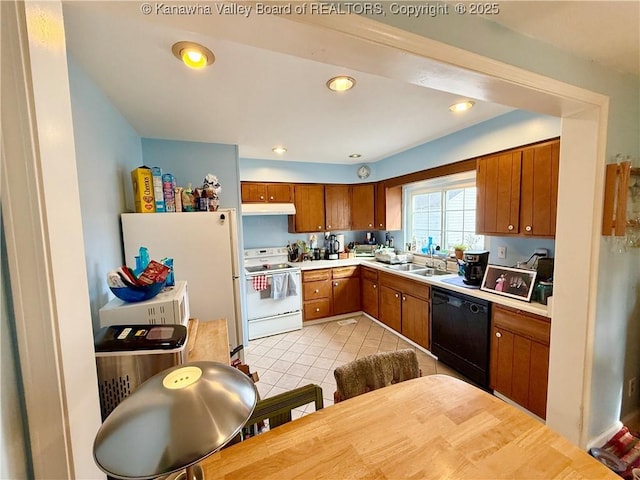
[[142, 180]]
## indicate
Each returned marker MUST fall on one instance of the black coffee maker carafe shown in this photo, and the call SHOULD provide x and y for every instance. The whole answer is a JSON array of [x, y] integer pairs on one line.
[[475, 264], [332, 247]]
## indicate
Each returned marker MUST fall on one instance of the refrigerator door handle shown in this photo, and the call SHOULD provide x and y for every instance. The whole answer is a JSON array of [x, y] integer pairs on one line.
[[235, 277]]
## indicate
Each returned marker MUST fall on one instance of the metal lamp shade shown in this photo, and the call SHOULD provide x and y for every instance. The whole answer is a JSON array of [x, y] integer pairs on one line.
[[174, 420]]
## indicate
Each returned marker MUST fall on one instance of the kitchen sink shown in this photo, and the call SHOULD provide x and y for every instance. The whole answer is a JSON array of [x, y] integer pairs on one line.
[[407, 267], [430, 272]]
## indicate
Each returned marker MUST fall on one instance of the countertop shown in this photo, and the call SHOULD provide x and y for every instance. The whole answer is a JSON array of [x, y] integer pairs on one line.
[[431, 427], [437, 281]]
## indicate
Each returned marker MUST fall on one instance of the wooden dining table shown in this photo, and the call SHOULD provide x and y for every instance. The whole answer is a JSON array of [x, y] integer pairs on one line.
[[432, 427]]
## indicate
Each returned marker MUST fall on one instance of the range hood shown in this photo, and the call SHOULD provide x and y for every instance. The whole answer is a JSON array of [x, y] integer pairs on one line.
[[268, 209]]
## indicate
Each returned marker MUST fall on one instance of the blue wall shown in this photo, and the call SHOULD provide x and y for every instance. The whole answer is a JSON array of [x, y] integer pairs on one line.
[[301, 172], [189, 162], [500, 133], [107, 149], [506, 131], [271, 231]]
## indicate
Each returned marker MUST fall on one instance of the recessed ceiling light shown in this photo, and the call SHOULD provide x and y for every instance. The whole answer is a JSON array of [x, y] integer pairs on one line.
[[193, 55], [462, 106], [279, 150], [341, 83], [355, 155]]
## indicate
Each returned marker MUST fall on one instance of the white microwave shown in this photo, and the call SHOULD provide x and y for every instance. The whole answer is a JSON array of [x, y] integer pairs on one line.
[[171, 306]]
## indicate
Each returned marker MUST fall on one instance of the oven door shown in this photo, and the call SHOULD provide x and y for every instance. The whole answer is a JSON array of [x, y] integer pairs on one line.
[[260, 302]]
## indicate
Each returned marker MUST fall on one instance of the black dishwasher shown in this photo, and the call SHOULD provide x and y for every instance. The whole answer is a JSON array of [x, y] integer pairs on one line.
[[460, 330]]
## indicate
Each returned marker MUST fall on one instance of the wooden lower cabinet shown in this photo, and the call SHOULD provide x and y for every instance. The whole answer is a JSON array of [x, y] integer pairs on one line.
[[415, 319], [330, 291], [346, 289], [346, 295], [391, 307], [369, 291], [520, 357], [316, 294], [405, 307]]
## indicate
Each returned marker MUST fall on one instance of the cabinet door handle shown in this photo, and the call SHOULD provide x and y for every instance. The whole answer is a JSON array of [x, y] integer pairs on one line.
[[335, 284], [328, 227], [498, 334], [375, 286], [397, 295], [316, 291], [370, 225], [319, 227], [510, 227], [317, 309], [380, 224], [528, 228], [404, 299], [271, 197]]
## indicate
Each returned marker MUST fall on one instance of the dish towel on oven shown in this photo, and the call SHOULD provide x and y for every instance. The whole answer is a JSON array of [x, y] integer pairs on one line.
[[279, 285], [259, 282], [292, 289], [283, 285]]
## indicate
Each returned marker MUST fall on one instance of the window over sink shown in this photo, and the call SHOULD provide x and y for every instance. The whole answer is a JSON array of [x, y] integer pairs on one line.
[[444, 209]]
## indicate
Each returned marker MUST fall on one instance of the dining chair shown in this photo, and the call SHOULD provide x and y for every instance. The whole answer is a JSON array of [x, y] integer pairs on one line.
[[374, 371], [277, 409]]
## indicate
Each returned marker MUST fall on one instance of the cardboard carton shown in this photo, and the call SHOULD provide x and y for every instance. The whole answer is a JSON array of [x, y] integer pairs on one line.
[[157, 189], [142, 180]]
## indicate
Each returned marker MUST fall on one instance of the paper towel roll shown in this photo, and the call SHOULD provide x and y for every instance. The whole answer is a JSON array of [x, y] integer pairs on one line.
[[340, 240]]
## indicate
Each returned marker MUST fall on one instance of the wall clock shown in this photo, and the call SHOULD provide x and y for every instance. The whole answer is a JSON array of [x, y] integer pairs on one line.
[[363, 172]]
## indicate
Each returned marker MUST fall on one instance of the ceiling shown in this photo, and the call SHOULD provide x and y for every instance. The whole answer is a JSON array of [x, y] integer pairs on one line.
[[267, 85]]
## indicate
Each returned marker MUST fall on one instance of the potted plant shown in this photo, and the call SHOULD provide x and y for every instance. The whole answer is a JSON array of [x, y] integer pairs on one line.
[[459, 250]]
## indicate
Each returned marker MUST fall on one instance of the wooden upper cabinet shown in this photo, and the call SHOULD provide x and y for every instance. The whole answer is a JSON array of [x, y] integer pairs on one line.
[[253, 192], [388, 207], [309, 202], [498, 187], [337, 203], [539, 189], [362, 206], [279, 192], [518, 191]]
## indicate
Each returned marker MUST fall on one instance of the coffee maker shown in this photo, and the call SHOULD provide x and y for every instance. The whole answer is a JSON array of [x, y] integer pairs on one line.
[[475, 265], [331, 248]]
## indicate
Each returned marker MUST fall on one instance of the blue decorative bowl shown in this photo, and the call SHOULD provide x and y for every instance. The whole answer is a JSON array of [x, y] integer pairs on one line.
[[138, 294]]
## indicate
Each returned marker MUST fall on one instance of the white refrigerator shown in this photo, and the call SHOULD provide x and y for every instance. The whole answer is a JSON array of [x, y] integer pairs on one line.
[[204, 248]]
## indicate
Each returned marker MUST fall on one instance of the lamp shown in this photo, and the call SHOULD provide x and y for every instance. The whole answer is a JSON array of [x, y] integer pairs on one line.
[[174, 420]]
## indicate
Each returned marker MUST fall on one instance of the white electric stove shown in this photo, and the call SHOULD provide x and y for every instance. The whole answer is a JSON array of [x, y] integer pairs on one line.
[[273, 292]]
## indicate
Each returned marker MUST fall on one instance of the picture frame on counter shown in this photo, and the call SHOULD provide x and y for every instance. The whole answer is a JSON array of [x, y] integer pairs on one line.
[[508, 281]]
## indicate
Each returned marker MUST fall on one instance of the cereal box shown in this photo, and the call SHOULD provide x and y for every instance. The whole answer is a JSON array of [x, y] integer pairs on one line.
[[142, 180], [157, 188]]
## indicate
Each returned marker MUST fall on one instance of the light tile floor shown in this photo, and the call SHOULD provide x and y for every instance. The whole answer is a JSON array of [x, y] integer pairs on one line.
[[310, 355]]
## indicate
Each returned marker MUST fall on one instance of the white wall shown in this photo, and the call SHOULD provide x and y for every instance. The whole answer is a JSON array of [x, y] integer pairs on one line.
[[14, 462], [107, 149]]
